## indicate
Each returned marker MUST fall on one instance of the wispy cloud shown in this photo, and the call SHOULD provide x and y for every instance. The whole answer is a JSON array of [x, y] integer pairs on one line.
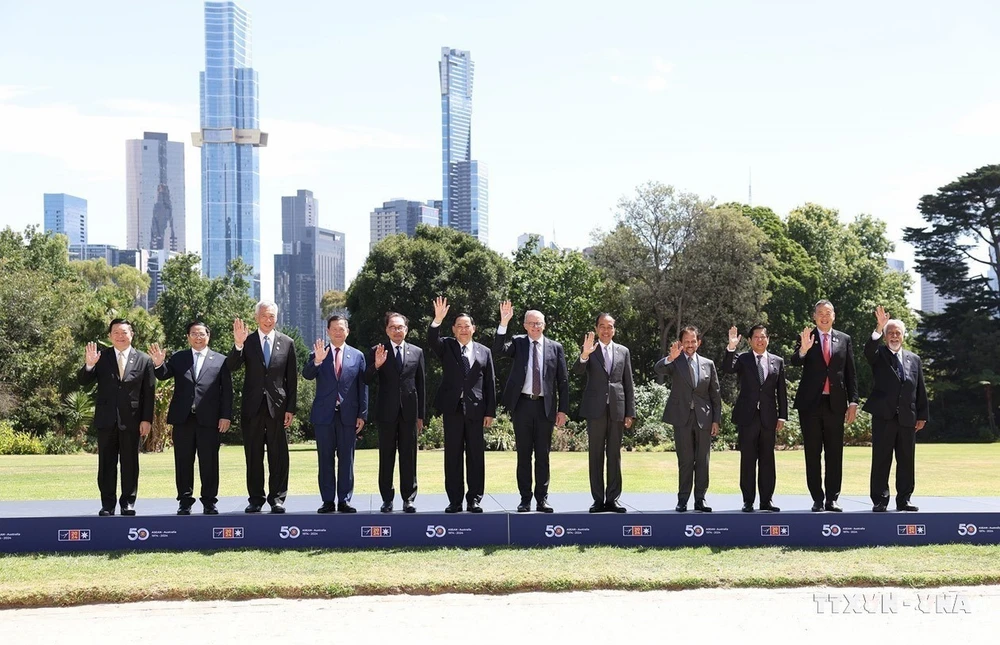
[[8, 92]]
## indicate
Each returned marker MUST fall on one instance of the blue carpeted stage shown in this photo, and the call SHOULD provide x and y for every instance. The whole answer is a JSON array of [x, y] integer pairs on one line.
[[47, 526]]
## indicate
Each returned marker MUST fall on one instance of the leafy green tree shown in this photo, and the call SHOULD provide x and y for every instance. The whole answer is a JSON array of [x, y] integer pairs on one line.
[[333, 301]]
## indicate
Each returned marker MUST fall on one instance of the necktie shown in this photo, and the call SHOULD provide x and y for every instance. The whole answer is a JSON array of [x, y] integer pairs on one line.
[[399, 357], [121, 365], [826, 357], [197, 364], [536, 370], [267, 352], [760, 369], [607, 359], [465, 360], [694, 372], [337, 364], [898, 365]]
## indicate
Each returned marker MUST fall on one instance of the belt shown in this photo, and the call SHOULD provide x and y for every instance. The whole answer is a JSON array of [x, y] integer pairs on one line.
[[533, 397]]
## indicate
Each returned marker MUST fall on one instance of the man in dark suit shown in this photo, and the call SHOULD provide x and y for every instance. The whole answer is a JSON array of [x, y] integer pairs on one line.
[[759, 413], [467, 402], [827, 398], [694, 409], [536, 379], [339, 412], [201, 409], [123, 413], [400, 410], [899, 409], [270, 389], [608, 405]]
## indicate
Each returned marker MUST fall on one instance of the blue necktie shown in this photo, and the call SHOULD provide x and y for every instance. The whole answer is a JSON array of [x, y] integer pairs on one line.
[[267, 353], [399, 358]]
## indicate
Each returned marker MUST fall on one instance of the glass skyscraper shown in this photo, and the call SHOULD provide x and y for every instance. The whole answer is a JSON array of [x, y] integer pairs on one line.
[[67, 215], [154, 193], [400, 216], [465, 182], [229, 137]]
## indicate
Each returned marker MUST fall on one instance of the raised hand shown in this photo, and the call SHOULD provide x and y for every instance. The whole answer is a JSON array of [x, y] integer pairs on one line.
[[157, 354], [381, 353], [806, 340], [320, 349], [506, 312], [92, 355], [734, 338], [440, 309], [588, 345], [240, 332], [675, 351], [881, 318]]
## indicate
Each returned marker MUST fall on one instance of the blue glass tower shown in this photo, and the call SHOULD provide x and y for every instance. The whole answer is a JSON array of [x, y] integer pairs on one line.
[[464, 181], [67, 215], [229, 137]]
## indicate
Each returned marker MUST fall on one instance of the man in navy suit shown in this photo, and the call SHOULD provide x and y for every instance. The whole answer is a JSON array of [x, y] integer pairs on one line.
[[123, 413], [339, 412], [467, 403], [759, 413], [899, 409], [536, 396], [400, 410], [200, 410]]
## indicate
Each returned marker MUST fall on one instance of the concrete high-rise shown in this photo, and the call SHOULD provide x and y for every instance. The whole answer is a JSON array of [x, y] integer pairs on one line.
[[66, 214], [400, 216], [154, 193]]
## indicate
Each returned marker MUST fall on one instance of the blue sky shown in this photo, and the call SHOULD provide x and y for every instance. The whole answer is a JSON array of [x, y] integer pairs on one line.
[[859, 106]]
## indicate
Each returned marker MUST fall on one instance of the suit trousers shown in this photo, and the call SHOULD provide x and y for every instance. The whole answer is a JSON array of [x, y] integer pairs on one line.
[[533, 433], [756, 460], [114, 444], [335, 444], [464, 437], [262, 431], [604, 435], [693, 445], [823, 431], [191, 438], [399, 436], [889, 436]]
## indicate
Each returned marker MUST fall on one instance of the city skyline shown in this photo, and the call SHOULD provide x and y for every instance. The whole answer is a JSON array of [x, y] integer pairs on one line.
[[155, 209]]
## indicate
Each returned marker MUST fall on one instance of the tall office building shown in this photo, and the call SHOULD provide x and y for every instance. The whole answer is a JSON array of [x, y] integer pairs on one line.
[[991, 275], [931, 302], [895, 265], [400, 216], [465, 182], [95, 251], [67, 215], [311, 263], [154, 193], [229, 139]]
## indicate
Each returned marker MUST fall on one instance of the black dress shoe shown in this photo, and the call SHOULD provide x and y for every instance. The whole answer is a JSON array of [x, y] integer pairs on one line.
[[817, 507], [907, 507], [747, 508], [277, 508], [474, 507], [832, 505], [700, 506], [543, 507], [453, 508], [880, 508], [128, 510], [769, 507], [597, 507], [614, 507], [523, 507], [327, 507], [409, 508], [252, 508], [184, 510], [106, 512], [681, 508], [386, 507], [344, 507], [210, 509]]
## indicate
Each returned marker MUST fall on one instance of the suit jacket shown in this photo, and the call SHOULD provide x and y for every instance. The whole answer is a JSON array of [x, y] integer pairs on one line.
[[555, 380], [706, 396], [890, 396], [121, 403], [351, 388], [601, 389], [770, 397], [277, 382], [210, 396], [477, 389], [815, 371], [400, 391]]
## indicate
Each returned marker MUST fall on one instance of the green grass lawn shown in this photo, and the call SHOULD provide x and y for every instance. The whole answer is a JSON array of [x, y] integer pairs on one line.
[[64, 579]]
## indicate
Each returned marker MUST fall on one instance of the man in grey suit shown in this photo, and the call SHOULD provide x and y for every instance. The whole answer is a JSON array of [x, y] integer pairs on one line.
[[608, 405], [694, 409]]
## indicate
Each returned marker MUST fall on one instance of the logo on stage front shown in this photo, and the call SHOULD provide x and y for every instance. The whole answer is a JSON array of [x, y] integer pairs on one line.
[[74, 535], [774, 530], [227, 533], [637, 531], [376, 531], [911, 529]]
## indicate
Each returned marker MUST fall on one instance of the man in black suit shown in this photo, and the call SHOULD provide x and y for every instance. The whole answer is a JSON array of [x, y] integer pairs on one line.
[[400, 410], [827, 398], [123, 413], [899, 409], [694, 409], [759, 413], [467, 403], [269, 397], [608, 405], [536, 379], [201, 409]]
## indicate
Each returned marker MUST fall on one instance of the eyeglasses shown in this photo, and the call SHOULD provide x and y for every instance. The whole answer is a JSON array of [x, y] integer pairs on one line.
[[198, 334], [397, 327], [535, 324]]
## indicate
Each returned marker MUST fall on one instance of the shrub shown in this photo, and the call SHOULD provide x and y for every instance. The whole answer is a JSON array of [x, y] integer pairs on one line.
[[19, 443], [432, 436], [572, 437], [500, 435]]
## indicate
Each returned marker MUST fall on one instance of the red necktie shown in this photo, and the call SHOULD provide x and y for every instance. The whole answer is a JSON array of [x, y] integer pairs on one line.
[[336, 361], [826, 357]]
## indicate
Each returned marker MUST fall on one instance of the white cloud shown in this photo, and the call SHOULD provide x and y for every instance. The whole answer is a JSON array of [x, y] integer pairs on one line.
[[8, 92], [654, 82]]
